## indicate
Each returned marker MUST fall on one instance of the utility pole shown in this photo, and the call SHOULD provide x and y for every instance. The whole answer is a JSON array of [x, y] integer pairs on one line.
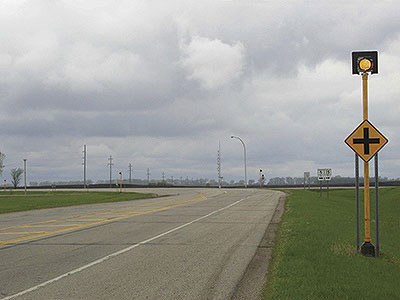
[[84, 166], [25, 173], [172, 180], [219, 165], [148, 176], [110, 164], [130, 172], [120, 182], [163, 177]]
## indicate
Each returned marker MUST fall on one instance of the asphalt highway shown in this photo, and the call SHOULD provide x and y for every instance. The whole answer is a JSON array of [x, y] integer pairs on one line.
[[193, 244]]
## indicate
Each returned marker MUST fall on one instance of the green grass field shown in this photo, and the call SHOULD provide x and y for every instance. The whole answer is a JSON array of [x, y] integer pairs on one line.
[[17, 201], [315, 253]]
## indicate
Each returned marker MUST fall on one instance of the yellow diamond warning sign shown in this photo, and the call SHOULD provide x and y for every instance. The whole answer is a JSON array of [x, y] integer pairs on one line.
[[366, 140]]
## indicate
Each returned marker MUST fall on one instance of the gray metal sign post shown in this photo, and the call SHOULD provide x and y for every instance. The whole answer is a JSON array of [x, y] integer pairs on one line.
[[377, 204], [357, 169], [306, 179], [320, 189], [328, 176], [327, 188], [321, 176], [324, 174]]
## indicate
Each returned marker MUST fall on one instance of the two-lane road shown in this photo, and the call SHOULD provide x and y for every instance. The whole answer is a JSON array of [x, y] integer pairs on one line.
[[195, 244]]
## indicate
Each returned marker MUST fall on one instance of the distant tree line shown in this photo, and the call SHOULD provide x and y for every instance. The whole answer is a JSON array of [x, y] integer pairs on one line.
[[208, 182], [167, 181], [314, 180]]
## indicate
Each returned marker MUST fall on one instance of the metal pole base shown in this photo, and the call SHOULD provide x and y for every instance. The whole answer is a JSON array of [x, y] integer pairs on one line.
[[367, 249]]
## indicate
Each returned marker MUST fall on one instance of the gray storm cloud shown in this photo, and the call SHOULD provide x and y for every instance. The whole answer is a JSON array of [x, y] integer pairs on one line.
[[159, 83]]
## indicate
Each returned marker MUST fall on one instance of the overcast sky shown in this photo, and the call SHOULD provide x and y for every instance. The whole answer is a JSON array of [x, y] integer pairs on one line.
[[159, 83]]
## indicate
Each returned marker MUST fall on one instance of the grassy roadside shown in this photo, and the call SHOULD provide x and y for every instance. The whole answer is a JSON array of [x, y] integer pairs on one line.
[[315, 256], [17, 201]]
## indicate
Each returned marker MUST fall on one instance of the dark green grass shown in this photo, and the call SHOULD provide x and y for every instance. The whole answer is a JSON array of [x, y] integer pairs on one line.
[[17, 201], [315, 254]]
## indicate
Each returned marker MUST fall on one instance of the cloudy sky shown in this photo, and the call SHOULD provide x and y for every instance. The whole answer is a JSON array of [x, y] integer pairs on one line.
[[159, 83]]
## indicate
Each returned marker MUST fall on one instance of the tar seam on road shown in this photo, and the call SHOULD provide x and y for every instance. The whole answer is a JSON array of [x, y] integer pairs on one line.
[[98, 261]]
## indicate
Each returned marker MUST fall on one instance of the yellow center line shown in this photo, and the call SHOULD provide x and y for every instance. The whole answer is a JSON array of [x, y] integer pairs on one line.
[[21, 232], [88, 220], [47, 225], [88, 215], [111, 213], [79, 226]]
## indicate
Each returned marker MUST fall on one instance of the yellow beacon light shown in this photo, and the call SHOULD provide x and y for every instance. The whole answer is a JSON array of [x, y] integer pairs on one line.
[[365, 64]]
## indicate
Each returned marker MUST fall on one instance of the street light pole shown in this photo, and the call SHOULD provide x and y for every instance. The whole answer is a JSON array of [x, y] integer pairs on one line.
[[244, 154]]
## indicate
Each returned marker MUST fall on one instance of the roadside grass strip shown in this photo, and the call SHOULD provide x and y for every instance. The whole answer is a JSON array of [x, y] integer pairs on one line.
[[315, 253], [61, 225], [17, 201]]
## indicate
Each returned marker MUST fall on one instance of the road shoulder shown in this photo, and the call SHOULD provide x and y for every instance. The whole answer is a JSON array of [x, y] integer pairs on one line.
[[252, 282]]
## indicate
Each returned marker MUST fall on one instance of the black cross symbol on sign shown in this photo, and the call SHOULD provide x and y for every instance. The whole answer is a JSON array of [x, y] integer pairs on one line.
[[366, 141]]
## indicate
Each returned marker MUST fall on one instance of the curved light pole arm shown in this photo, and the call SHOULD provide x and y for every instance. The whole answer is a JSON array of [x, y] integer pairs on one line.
[[244, 154]]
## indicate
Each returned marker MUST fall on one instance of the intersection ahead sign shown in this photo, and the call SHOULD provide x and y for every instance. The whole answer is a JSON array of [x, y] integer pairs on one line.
[[366, 140]]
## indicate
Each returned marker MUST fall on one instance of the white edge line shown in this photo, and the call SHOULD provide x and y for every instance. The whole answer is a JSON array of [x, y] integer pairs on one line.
[[98, 261]]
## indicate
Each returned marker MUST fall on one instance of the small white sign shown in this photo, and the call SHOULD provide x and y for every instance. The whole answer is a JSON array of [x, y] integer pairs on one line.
[[321, 174], [324, 174], [328, 174]]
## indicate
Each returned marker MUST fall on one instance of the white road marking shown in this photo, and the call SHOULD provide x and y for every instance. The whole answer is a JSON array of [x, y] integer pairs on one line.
[[98, 261]]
